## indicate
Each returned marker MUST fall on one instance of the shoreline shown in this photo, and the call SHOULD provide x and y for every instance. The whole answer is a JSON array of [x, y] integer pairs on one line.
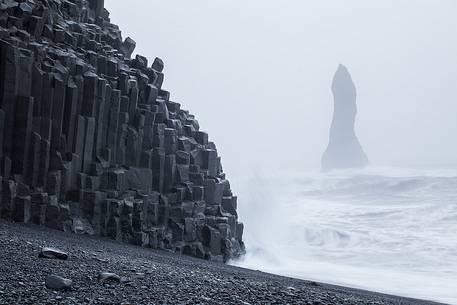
[[152, 276], [397, 279]]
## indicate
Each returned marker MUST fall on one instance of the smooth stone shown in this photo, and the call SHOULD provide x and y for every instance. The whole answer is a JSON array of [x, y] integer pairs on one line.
[[108, 277], [55, 282], [53, 254]]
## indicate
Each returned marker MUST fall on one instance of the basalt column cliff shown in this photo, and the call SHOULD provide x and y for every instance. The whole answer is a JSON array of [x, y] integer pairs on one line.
[[344, 149], [91, 143]]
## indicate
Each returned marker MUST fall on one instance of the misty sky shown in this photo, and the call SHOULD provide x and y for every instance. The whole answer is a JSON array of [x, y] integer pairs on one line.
[[257, 74]]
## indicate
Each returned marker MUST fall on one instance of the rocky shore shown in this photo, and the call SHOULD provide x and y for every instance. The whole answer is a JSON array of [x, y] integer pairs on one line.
[[146, 276]]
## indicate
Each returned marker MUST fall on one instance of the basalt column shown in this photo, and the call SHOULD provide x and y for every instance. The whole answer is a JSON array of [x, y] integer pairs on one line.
[[91, 143]]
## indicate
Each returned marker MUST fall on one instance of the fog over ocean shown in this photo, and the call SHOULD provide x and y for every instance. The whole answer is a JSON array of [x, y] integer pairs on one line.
[[390, 230], [257, 74]]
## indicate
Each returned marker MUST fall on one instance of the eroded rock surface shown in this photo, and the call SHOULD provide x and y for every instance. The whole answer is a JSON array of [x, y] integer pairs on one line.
[[344, 150], [91, 143]]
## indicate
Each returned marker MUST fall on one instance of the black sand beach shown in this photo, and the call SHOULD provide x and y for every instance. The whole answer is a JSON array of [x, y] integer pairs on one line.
[[147, 276]]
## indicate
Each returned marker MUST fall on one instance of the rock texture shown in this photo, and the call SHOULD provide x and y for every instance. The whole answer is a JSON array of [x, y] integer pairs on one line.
[[344, 149], [148, 277], [91, 143], [55, 282]]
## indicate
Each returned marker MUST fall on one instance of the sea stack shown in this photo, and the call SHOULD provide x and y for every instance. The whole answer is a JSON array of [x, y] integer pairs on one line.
[[344, 150]]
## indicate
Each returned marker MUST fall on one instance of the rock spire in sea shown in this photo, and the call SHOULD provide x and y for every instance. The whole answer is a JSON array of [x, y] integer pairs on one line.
[[344, 150]]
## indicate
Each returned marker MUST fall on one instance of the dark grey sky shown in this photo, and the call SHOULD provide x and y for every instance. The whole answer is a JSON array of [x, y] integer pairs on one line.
[[257, 73]]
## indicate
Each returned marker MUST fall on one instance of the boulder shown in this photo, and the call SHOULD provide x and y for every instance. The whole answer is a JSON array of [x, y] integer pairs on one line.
[[55, 282], [105, 277], [53, 254]]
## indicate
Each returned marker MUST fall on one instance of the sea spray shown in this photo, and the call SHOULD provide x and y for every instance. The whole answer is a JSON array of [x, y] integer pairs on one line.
[[390, 230]]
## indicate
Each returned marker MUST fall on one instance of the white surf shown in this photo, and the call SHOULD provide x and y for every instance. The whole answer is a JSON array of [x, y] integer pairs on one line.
[[389, 230]]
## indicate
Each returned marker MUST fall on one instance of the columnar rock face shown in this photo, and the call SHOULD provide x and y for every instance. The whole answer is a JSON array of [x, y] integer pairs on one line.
[[344, 149], [91, 143]]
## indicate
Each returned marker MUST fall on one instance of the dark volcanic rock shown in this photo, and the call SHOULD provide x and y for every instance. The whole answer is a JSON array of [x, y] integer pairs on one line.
[[53, 253], [55, 282], [91, 143], [109, 277], [156, 277], [344, 149]]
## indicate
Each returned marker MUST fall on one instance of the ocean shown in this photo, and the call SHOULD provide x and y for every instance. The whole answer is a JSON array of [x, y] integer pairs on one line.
[[390, 230]]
